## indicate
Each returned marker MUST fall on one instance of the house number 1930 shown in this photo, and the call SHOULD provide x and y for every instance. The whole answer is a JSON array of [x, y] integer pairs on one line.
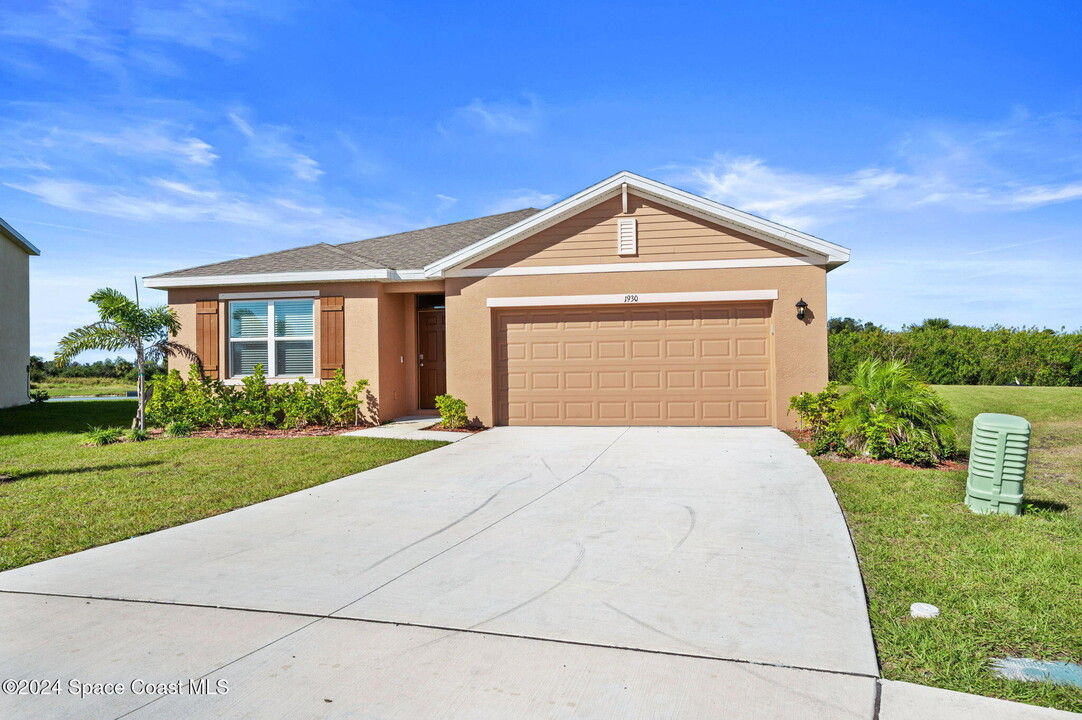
[[631, 298]]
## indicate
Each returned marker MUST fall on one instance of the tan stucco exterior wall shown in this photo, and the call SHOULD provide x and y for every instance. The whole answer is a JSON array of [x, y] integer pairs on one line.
[[380, 335], [14, 323], [800, 351]]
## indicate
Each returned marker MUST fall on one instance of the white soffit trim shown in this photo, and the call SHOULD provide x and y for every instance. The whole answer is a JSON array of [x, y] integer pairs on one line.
[[16, 237], [834, 255], [164, 283], [268, 295], [633, 298], [635, 267]]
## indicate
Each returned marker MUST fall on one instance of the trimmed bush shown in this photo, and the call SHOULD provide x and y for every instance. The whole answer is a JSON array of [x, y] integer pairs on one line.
[[39, 396], [888, 414], [205, 403], [452, 411]]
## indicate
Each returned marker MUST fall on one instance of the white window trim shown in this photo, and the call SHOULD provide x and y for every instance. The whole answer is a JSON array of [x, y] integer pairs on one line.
[[308, 379], [272, 358], [634, 298], [283, 294]]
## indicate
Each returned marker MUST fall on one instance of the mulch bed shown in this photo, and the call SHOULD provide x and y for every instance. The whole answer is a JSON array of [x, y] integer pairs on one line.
[[268, 433], [803, 437], [468, 429]]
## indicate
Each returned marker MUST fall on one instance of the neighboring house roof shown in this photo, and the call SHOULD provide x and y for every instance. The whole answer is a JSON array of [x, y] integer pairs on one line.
[[437, 251], [13, 235], [364, 259]]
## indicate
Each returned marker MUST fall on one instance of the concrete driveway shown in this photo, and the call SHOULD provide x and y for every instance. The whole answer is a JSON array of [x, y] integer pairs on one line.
[[524, 572]]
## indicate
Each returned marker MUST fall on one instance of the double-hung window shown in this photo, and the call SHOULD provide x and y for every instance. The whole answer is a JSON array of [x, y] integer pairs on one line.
[[277, 334]]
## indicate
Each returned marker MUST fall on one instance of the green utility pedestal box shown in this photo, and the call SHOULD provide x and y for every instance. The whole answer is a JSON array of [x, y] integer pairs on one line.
[[997, 464]]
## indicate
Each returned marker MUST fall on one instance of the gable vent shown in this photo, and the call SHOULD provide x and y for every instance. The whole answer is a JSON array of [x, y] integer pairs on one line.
[[627, 237]]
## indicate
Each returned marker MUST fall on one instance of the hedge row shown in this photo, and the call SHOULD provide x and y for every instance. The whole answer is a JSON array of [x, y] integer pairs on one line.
[[204, 403], [961, 355]]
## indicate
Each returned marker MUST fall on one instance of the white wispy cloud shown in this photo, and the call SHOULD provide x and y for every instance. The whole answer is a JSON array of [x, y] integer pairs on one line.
[[445, 202], [519, 199], [164, 200], [59, 139], [154, 141], [523, 117], [271, 143], [1010, 167], [117, 37]]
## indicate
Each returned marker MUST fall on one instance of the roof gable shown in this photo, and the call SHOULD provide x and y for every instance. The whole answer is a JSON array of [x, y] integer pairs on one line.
[[803, 243], [13, 235], [437, 251], [660, 233]]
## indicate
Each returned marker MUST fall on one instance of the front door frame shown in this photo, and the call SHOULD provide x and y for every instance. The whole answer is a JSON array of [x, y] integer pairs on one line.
[[423, 391]]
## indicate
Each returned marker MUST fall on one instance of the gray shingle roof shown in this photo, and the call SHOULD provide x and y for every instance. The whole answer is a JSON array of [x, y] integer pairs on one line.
[[402, 251]]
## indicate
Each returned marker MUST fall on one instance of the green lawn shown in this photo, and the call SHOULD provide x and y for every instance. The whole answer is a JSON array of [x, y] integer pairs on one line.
[[69, 387], [1004, 585], [57, 497]]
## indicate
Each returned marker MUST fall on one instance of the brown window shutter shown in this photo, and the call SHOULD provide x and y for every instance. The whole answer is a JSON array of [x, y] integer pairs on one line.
[[206, 336], [332, 338]]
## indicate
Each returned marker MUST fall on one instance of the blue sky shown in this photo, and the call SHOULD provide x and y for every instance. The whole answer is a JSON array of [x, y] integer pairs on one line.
[[941, 142]]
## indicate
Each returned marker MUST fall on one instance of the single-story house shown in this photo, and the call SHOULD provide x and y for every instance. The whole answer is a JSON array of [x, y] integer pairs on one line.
[[629, 303], [15, 252]]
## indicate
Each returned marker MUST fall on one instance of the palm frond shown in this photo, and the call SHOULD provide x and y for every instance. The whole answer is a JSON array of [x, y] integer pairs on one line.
[[101, 335], [169, 348]]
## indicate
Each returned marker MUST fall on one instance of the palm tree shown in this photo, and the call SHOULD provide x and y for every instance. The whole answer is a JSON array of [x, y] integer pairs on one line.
[[890, 405], [126, 325]]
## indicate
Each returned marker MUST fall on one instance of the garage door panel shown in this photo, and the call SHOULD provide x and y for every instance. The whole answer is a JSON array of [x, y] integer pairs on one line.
[[646, 380], [752, 379], [579, 380], [680, 348], [716, 348], [613, 349], [751, 348], [645, 349], [646, 319], [663, 365], [579, 350], [609, 411]]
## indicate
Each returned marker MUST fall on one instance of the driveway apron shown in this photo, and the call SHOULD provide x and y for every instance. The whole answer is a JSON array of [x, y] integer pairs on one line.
[[602, 572]]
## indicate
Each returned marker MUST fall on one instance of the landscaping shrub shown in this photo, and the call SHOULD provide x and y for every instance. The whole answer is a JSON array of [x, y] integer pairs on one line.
[[888, 414], [945, 354], [452, 411], [103, 435], [138, 435], [179, 429], [203, 402], [39, 396]]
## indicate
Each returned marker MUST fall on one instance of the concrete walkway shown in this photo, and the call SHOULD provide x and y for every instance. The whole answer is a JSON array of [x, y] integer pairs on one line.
[[410, 428], [526, 572]]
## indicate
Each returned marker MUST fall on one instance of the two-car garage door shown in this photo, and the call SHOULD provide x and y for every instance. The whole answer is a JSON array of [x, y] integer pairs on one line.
[[675, 364]]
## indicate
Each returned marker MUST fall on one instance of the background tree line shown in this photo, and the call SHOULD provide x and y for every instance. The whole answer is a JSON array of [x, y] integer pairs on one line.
[[942, 353], [42, 370]]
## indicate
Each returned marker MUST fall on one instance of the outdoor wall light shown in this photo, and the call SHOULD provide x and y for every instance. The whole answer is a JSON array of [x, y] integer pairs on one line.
[[801, 308]]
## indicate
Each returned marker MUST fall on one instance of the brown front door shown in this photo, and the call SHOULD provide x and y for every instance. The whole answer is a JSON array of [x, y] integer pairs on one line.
[[432, 362]]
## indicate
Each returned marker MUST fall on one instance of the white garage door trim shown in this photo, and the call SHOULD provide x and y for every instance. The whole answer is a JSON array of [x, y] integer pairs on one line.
[[633, 298]]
